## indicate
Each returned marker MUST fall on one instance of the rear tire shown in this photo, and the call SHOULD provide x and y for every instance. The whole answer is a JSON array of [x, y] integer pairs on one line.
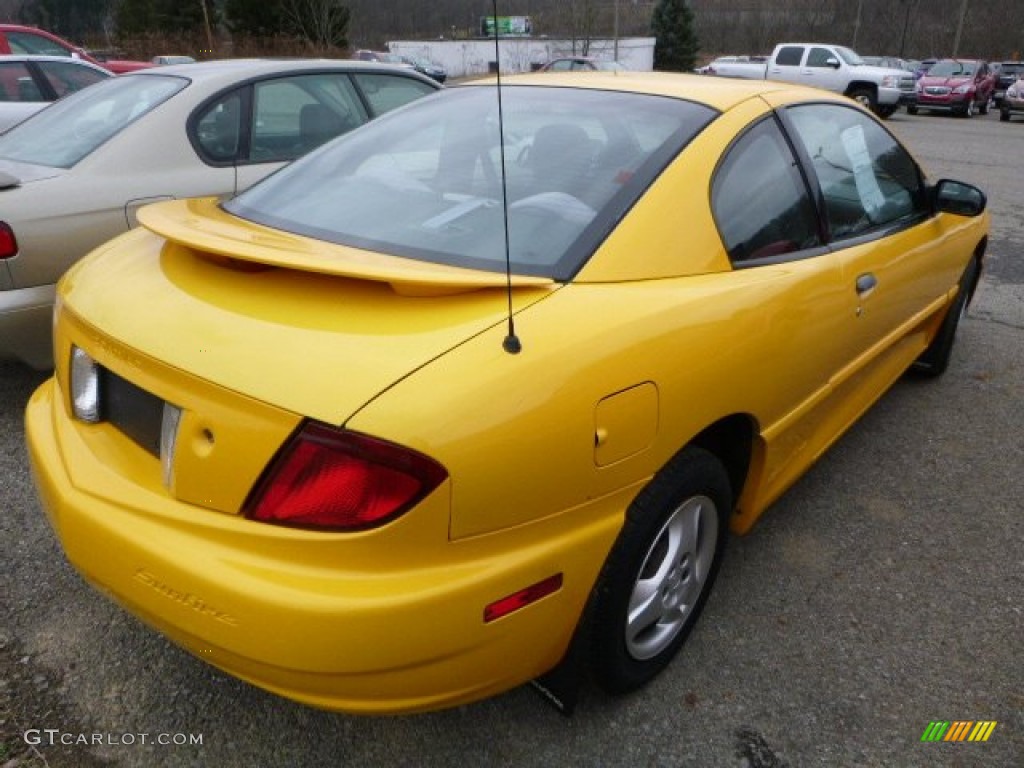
[[934, 361], [1004, 116], [659, 573]]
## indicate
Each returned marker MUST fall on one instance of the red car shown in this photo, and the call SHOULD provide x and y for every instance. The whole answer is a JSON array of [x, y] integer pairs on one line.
[[960, 86], [15, 38]]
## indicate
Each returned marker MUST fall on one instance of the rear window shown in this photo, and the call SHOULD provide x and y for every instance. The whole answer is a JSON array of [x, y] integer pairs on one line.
[[425, 182], [72, 128]]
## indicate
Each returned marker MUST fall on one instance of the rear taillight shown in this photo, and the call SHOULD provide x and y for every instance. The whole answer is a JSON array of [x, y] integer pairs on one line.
[[8, 242], [330, 478]]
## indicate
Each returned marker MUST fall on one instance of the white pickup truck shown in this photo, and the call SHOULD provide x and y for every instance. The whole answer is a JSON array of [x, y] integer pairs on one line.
[[832, 67]]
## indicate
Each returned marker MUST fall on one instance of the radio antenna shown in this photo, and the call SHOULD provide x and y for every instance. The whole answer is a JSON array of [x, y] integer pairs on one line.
[[511, 344]]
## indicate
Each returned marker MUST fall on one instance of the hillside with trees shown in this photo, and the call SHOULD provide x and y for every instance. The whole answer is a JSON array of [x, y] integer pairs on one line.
[[210, 28]]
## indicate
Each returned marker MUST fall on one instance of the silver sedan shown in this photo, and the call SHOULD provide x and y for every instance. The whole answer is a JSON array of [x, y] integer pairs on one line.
[[73, 175]]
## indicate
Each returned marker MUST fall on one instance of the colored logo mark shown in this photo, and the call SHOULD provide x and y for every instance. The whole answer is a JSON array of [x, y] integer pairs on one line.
[[958, 730]]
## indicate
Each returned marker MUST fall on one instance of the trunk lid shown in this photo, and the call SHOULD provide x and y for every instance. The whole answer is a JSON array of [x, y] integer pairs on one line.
[[15, 174], [314, 328]]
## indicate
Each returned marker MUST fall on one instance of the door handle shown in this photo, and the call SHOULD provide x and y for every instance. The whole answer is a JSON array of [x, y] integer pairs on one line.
[[866, 283]]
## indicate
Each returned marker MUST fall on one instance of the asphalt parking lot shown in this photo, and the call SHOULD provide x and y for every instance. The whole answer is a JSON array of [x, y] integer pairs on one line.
[[883, 592]]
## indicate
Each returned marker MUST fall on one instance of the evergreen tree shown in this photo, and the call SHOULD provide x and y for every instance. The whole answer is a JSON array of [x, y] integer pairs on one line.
[[676, 44], [73, 19]]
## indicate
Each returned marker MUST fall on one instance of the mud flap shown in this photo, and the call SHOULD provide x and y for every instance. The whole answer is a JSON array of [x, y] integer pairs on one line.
[[560, 687]]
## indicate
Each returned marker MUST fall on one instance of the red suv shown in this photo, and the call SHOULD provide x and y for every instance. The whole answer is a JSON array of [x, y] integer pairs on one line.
[[960, 86], [30, 40]]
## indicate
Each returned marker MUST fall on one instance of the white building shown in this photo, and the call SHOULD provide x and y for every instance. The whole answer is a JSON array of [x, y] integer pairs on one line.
[[462, 58]]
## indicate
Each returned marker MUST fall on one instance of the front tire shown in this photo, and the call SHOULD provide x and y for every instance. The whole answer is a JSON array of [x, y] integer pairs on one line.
[[864, 97], [660, 571], [934, 361], [969, 108]]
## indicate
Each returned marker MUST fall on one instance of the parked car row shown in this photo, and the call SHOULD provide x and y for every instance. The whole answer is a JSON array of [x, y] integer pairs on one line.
[[831, 67], [956, 86], [419, 63]]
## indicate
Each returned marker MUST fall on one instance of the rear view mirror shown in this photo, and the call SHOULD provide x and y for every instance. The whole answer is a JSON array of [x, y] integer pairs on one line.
[[959, 198]]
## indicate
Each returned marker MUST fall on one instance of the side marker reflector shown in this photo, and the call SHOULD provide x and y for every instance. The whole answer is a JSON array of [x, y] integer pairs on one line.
[[522, 598]]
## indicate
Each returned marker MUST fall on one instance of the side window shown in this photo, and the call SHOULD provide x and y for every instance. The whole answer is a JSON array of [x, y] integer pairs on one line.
[[16, 82], [26, 42], [563, 65], [818, 57], [867, 179], [759, 199], [387, 92], [67, 77], [790, 56], [218, 129], [293, 115]]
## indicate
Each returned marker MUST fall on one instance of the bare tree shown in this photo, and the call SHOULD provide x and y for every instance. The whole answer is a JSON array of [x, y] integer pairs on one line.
[[324, 23]]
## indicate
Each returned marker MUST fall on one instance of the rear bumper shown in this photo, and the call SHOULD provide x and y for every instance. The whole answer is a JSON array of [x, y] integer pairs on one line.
[[311, 616], [26, 325]]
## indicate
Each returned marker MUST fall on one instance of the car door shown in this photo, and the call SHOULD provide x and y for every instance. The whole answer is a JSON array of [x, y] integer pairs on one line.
[[897, 270], [18, 84], [787, 64], [792, 288], [822, 69], [293, 115], [285, 117]]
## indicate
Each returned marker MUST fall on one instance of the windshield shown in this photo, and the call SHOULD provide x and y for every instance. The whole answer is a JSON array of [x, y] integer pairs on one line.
[[849, 56], [951, 68], [425, 181], [70, 129]]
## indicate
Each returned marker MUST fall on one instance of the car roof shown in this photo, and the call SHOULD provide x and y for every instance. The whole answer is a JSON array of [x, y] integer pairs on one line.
[[229, 69], [41, 57], [720, 93]]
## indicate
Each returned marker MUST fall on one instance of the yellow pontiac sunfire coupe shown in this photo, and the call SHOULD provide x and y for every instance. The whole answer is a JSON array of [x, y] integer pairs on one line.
[[468, 395]]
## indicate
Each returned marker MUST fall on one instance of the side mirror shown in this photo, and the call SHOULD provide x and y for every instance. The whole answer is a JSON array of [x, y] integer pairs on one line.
[[832, 62], [957, 197]]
